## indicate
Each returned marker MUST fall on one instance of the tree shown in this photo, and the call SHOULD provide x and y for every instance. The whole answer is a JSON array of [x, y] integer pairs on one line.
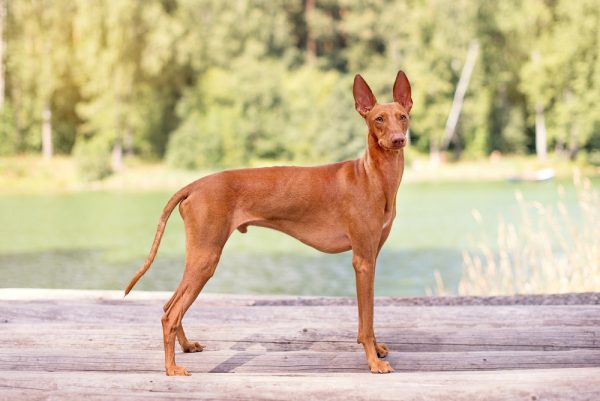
[[2, 47], [40, 31], [562, 75], [254, 81]]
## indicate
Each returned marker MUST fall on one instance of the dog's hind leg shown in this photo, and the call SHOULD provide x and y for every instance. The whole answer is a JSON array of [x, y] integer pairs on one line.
[[187, 345], [204, 243], [198, 270]]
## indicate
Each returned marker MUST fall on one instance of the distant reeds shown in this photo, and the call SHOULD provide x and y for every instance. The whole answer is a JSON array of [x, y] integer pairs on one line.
[[551, 249]]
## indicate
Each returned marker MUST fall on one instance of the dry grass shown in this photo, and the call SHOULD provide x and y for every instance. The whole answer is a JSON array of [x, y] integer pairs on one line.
[[550, 250]]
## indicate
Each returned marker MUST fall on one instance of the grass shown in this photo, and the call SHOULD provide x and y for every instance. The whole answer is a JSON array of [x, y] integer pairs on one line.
[[549, 250], [29, 174], [33, 174]]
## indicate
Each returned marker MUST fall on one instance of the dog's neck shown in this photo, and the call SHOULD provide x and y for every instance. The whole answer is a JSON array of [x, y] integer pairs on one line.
[[383, 166]]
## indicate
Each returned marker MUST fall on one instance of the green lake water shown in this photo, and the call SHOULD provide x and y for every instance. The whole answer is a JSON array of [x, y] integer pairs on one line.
[[97, 240]]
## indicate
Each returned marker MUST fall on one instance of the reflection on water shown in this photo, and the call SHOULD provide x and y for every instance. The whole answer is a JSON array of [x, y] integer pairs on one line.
[[398, 272], [99, 239]]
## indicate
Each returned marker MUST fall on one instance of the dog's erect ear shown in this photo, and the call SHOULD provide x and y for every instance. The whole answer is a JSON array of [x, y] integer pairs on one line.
[[363, 97], [401, 91]]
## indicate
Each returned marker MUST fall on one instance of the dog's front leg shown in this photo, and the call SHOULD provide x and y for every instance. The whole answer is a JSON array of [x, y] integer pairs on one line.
[[364, 267], [381, 348]]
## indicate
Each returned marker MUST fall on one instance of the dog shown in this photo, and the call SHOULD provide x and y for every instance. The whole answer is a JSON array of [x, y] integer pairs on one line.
[[334, 208]]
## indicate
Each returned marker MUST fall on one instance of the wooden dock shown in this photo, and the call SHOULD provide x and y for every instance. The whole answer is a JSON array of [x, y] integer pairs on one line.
[[95, 345]]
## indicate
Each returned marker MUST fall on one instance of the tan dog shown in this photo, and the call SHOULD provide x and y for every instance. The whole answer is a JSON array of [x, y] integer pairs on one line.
[[333, 208]]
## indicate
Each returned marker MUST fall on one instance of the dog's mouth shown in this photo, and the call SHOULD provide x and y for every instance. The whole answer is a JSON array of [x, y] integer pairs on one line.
[[392, 147]]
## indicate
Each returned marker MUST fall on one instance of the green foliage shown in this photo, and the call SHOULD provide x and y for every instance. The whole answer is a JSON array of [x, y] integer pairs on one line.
[[8, 144], [197, 142], [207, 83], [265, 111], [93, 158], [594, 149]]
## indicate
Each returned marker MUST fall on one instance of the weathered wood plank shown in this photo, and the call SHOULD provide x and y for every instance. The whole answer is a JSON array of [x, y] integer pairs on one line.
[[257, 360], [549, 384], [294, 337], [93, 345], [392, 316]]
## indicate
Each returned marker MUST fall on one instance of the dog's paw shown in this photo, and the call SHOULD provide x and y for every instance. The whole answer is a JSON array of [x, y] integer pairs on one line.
[[380, 367], [177, 371], [192, 346], [382, 350]]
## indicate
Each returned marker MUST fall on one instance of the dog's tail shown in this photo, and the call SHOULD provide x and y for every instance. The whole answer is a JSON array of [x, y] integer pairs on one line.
[[175, 199]]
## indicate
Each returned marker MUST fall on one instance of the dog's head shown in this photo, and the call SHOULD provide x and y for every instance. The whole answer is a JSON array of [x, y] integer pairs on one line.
[[387, 121]]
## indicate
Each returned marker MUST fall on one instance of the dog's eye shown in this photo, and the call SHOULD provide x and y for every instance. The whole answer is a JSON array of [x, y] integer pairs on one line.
[[379, 119], [403, 117]]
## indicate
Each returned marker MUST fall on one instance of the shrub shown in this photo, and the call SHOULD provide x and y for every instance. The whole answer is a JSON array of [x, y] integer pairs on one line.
[[93, 158]]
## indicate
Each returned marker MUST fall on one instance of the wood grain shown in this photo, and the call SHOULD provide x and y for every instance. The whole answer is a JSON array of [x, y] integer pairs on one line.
[[525, 385], [87, 345]]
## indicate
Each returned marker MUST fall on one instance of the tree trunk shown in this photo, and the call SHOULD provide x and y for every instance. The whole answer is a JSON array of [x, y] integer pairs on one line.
[[311, 43], [435, 158], [540, 132], [128, 142], [541, 140], [573, 146], [15, 96], [47, 132], [573, 129], [2, 46], [459, 95], [116, 157], [116, 160]]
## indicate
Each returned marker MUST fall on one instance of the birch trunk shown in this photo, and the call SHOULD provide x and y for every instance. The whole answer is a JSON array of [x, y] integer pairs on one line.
[[47, 149], [311, 43], [459, 95], [117, 156], [540, 132]]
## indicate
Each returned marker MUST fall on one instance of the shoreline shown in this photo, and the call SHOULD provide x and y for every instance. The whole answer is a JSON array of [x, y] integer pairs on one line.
[[33, 175], [48, 294]]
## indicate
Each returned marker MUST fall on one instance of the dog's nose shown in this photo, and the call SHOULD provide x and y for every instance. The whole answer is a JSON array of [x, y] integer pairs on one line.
[[398, 140]]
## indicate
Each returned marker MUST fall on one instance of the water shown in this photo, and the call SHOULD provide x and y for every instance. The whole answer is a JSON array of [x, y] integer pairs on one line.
[[97, 240]]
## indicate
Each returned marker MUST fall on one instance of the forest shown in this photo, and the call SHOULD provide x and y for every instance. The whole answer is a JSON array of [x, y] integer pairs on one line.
[[211, 83]]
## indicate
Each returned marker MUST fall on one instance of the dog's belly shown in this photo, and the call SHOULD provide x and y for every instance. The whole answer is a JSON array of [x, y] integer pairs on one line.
[[319, 236]]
